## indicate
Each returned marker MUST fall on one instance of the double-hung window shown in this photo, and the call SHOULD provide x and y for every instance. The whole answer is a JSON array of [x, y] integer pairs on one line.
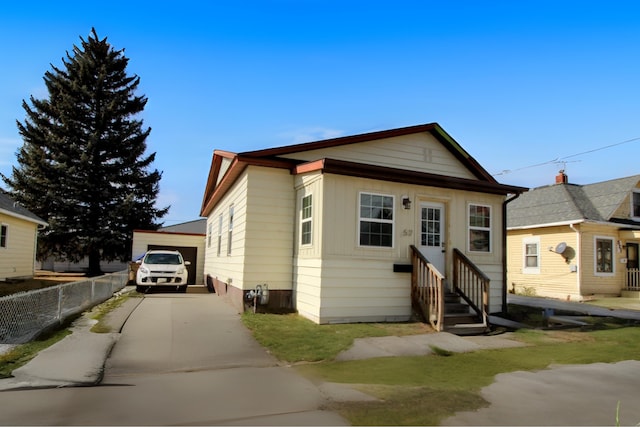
[[479, 228], [306, 220], [531, 252], [209, 233], [375, 225], [4, 235], [219, 235], [230, 234], [603, 256]]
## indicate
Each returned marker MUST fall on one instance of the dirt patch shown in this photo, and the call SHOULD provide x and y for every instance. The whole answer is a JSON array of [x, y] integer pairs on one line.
[[42, 279]]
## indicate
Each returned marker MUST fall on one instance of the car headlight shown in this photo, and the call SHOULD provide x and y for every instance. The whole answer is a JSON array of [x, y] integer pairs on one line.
[[143, 270]]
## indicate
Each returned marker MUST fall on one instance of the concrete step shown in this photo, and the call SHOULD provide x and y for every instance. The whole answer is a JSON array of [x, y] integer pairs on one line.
[[197, 289]]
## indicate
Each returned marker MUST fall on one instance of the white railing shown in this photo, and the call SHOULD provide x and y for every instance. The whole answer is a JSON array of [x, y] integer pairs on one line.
[[26, 314], [632, 279]]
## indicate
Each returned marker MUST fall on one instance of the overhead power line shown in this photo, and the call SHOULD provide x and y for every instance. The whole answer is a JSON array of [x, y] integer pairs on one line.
[[561, 159]]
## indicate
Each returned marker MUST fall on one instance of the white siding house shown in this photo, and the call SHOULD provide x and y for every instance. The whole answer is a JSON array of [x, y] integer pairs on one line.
[[328, 226]]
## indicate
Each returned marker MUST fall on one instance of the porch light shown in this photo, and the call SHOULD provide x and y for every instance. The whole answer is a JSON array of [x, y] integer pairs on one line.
[[406, 202]]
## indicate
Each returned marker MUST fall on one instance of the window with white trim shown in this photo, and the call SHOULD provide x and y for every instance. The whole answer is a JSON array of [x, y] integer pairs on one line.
[[375, 225], [209, 233], [479, 228], [4, 235], [603, 256], [306, 220], [531, 255], [230, 234], [635, 204], [219, 235]]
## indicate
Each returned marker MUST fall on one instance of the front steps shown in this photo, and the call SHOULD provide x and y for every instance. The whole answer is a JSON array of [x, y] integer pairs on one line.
[[459, 320]]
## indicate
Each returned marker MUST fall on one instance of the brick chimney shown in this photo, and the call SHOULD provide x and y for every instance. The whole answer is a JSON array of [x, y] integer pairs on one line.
[[562, 178]]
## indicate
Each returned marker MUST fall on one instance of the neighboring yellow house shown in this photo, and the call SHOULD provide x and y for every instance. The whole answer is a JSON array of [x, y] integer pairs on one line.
[[575, 242], [327, 226], [18, 239]]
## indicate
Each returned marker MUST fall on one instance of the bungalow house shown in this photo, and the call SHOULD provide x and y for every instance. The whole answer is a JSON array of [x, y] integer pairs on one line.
[[18, 239], [357, 228], [575, 242]]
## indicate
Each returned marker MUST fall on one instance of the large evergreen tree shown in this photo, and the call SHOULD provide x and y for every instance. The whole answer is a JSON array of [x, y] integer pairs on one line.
[[82, 166]]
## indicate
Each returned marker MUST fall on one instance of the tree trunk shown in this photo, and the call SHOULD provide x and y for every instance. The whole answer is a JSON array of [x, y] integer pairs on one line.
[[94, 263]]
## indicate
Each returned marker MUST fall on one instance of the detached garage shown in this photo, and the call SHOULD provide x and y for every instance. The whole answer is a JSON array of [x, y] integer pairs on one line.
[[190, 245]]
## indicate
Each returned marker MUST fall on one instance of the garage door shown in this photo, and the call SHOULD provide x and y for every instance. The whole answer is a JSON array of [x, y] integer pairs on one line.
[[189, 253]]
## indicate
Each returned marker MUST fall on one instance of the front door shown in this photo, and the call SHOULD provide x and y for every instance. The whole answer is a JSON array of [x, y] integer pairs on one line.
[[432, 234]]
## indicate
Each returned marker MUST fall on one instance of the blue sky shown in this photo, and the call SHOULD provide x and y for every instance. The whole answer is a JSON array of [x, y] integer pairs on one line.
[[522, 83]]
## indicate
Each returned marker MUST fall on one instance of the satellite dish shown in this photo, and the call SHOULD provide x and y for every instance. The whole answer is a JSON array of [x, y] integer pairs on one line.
[[562, 246]]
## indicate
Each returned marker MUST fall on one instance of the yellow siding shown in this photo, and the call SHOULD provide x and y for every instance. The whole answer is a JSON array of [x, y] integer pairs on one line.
[[18, 258], [262, 244], [360, 290], [556, 278], [341, 211], [307, 291], [593, 284], [358, 283], [417, 152], [270, 228], [228, 268], [573, 278]]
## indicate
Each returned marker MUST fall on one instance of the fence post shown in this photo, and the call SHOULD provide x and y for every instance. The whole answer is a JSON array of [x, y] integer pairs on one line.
[[59, 313]]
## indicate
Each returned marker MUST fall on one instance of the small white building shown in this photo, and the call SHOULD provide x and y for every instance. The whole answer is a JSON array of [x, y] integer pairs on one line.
[[188, 238], [18, 239]]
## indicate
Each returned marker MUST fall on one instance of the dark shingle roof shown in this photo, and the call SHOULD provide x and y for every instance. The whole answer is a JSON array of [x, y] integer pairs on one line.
[[570, 202], [8, 205], [198, 226]]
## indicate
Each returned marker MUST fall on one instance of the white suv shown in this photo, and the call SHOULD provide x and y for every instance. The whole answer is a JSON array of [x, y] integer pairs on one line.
[[161, 268]]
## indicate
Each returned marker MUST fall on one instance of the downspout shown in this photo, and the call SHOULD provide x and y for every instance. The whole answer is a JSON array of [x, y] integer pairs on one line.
[[579, 258], [504, 251]]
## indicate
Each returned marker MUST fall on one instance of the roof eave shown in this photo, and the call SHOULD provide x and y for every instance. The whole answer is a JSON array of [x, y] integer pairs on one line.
[[361, 170], [24, 217]]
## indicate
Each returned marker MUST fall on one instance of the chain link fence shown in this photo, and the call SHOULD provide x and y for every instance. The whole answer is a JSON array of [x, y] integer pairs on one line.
[[24, 315]]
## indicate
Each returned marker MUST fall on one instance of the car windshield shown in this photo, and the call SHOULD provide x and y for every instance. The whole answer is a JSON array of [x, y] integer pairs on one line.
[[172, 259]]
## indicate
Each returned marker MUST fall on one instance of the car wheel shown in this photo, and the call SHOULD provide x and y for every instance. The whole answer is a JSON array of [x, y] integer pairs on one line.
[[183, 289], [140, 289]]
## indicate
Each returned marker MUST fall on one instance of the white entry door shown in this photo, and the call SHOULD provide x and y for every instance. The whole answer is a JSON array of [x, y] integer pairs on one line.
[[432, 234]]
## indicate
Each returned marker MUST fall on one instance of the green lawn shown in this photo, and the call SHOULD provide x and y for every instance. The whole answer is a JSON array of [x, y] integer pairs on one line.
[[423, 390]]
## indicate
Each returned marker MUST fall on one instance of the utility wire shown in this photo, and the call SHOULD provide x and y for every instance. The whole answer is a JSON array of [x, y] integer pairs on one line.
[[560, 159]]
